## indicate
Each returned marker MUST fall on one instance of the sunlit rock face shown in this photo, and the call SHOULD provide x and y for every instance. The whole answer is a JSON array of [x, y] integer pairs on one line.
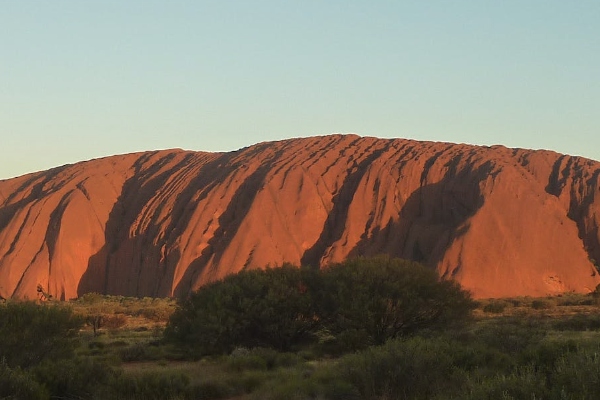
[[502, 222]]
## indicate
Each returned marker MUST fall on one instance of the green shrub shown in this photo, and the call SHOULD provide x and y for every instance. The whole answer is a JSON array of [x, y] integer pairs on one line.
[[260, 308], [578, 322], [383, 298], [558, 369], [578, 374], [544, 354], [524, 383], [75, 378], [359, 302], [243, 359], [305, 384], [212, 389], [157, 313], [32, 333], [151, 386], [415, 368], [345, 341], [92, 298], [512, 335], [140, 351], [260, 359], [96, 344], [18, 384]]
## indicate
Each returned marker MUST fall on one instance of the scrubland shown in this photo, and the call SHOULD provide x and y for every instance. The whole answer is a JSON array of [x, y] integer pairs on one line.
[[112, 347]]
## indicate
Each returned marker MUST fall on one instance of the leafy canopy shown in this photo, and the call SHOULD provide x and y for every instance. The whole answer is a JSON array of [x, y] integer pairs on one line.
[[254, 308], [368, 300]]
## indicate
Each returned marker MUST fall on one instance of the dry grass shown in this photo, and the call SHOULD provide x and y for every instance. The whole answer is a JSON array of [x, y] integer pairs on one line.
[[556, 306]]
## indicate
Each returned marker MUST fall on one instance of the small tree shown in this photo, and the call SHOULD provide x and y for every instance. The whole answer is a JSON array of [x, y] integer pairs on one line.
[[269, 308], [384, 298], [98, 312]]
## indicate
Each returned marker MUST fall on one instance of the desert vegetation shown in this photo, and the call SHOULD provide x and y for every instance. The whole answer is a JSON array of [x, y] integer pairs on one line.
[[355, 304], [374, 328]]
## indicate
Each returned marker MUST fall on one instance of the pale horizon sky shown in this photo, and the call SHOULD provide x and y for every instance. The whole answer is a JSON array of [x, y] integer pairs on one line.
[[88, 79]]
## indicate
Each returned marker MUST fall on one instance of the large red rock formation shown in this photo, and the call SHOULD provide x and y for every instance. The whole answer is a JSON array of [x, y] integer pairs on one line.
[[502, 222]]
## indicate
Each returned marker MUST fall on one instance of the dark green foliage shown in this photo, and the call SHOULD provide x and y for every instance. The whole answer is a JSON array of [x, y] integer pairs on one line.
[[251, 309], [259, 359], [32, 333], [577, 374], [17, 384], [512, 335], [359, 302], [151, 386], [523, 383], [377, 299], [75, 378], [494, 358], [442, 367], [578, 322], [412, 369], [141, 351], [324, 384], [552, 370]]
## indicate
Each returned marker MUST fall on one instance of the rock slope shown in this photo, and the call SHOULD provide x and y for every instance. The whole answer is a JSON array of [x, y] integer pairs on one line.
[[502, 222]]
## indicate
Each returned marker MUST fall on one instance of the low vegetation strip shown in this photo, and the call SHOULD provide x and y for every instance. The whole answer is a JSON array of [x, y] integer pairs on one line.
[[366, 329]]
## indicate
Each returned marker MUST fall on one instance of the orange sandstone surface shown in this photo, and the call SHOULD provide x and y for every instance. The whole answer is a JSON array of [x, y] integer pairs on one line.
[[502, 222]]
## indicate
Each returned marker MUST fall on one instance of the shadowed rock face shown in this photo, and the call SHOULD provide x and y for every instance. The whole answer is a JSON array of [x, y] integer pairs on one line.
[[502, 222]]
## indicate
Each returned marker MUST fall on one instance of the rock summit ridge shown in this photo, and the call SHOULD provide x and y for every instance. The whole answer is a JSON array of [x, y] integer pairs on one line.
[[502, 222]]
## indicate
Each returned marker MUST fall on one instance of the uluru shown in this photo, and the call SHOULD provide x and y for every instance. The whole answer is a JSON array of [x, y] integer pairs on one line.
[[500, 221]]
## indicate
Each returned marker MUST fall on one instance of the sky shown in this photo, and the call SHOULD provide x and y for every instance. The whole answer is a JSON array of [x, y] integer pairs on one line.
[[82, 79]]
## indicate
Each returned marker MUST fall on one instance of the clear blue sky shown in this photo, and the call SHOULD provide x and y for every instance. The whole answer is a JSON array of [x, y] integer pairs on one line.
[[85, 79]]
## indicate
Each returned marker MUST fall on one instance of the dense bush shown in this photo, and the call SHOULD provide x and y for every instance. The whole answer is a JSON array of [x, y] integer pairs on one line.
[[412, 369], [259, 359], [324, 384], [578, 322], [17, 384], [38, 354], [513, 336], [577, 373], [495, 358], [270, 308], [150, 386], [359, 302], [553, 370], [32, 333], [377, 299], [446, 367], [76, 378], [522, 383]]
